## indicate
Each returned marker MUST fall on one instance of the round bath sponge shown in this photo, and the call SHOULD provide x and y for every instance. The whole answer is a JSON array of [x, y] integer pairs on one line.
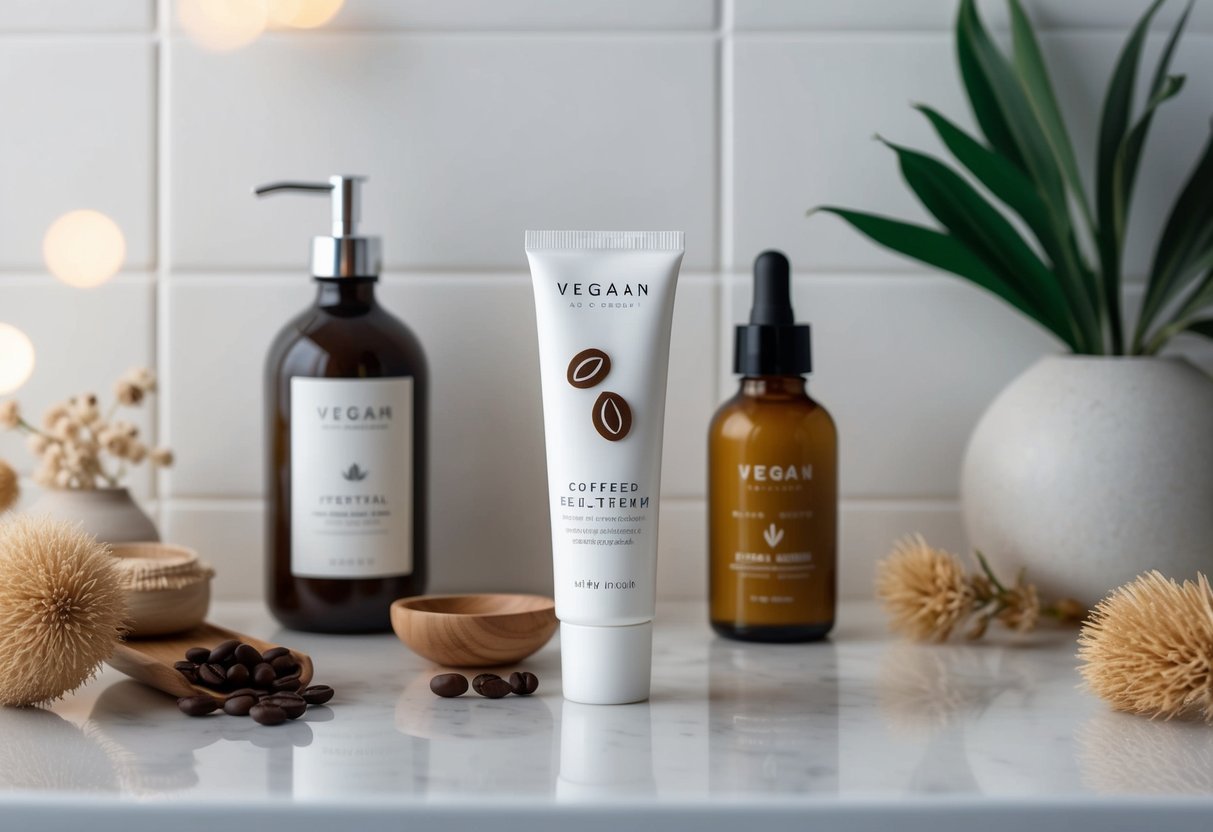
[[61, 609]]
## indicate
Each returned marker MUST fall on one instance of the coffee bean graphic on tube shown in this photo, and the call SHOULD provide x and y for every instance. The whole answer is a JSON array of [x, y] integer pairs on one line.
[[612, 416]]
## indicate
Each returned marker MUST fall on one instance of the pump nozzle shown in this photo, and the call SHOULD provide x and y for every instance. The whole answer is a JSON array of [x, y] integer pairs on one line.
[[344, 253]]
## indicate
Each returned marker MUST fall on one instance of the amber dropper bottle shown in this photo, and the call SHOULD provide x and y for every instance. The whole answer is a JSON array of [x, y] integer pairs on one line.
[[772, 481]]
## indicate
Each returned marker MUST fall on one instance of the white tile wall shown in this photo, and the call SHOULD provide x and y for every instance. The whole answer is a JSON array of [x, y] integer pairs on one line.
[[475, 120]]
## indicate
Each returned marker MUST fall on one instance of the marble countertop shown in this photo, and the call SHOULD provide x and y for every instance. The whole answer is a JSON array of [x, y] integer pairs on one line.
[[864, 732]]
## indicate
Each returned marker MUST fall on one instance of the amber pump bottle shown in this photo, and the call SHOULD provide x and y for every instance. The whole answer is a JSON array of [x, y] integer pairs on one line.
[[347, 398], [772, 481]]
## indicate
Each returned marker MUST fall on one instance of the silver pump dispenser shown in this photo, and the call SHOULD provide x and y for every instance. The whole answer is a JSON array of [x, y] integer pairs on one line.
[[345, 253]]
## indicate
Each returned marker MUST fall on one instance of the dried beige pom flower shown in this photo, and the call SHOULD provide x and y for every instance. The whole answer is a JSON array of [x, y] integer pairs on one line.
[[1022, 609], [1148, 647], [83, 408], [136, 452], [61, 609], [925, 590], [128, 393], [162, 457], [142, 377], [10, 488], [10, 414]]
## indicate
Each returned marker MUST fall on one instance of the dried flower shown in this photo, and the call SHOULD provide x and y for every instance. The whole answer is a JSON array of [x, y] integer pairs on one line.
[[10, 414], [142, 377], [162, 457], [1022, 609], [77, 445], [929, 595], [10, 488], [128, 393], [136, 452], [61, 609], [1148, 647], [83, 408], [924, 589]]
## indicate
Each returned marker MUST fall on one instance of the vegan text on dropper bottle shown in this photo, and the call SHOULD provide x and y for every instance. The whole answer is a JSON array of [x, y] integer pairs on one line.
[[604, 302]]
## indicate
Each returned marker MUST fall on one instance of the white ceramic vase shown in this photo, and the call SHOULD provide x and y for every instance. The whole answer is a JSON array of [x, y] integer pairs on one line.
[[111, 514], [1088, 471]]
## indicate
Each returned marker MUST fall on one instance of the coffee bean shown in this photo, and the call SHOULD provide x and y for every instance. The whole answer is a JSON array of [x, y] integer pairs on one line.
[[449, 684], [190, 675], [267, 714], [185, 667], [248, 655], [479, 681], [495, 688], [524, 683], [264, 675], [198, 655], [284, 665], [200, 705], [238, 675], [224, 651], [317, 694], [239, 705], [213, 675], [292, 704], [273, 653], [287, 683], [256, 694]]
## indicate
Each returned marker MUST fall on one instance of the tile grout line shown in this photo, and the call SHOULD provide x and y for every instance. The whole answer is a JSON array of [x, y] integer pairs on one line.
[[160, 201]]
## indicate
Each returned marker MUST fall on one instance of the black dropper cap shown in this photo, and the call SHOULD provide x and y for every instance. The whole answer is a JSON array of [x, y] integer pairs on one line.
[[772, 343]]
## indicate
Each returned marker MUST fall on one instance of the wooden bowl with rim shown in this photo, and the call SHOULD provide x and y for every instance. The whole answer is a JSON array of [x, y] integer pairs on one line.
[[486, 630]]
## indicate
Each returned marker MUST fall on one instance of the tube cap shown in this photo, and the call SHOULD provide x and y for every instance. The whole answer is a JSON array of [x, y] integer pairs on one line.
[[606, 665], [772, 343]]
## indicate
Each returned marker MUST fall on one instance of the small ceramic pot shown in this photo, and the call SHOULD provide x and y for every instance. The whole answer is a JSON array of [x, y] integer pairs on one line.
[[168, 589], [1089, 471], [110, 514]]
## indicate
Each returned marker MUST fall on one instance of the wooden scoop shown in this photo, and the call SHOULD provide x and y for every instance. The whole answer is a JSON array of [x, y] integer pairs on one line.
[[151, 660]]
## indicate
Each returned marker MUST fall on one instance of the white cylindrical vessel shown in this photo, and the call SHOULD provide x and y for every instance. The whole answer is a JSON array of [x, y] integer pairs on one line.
[[604, 303]]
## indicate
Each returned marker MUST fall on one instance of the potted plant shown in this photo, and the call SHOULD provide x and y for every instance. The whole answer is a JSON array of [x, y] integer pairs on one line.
[[85, 452], [1094, 465]]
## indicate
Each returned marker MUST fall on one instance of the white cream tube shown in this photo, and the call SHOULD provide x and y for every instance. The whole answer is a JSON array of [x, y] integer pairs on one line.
[[604, 302]]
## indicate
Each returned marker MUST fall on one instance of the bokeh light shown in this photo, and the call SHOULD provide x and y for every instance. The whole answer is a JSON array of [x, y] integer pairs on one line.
[[223, 25], [16, 358], [84, 248], [303, 14]]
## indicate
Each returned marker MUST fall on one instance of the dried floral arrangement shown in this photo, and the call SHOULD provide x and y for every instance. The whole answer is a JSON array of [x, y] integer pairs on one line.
[[62, 608], [78, 446], [1148, 647], [10, 488], [929, 595]]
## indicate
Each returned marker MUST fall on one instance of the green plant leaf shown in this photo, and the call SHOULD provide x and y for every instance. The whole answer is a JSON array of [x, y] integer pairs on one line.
[[1204, 327], [1014, 189], [1114, 123], [942, 251], [1035, 77], [1026, 133], [1185, 248], [1124, 171], [979, 91], [979, 225]]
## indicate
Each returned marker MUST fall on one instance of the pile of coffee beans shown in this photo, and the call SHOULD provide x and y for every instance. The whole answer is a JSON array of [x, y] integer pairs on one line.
[[488, 685], [266, 686]]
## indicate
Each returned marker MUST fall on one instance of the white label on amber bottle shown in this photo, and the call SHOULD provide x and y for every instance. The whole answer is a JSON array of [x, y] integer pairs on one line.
[[351, 477]]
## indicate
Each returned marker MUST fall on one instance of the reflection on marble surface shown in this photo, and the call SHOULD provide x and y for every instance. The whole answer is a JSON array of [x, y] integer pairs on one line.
[[862, 717], [41, 751], [1121, 753]]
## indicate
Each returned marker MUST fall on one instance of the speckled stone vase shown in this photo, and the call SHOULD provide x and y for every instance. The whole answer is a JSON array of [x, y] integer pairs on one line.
[[111, 514], [1088, 471]]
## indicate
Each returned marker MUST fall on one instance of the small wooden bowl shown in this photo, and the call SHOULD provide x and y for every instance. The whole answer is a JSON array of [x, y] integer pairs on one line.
[[474, 630]]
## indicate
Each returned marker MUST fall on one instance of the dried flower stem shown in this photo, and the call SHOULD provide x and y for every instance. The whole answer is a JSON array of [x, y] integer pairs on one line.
[[929, 595]]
